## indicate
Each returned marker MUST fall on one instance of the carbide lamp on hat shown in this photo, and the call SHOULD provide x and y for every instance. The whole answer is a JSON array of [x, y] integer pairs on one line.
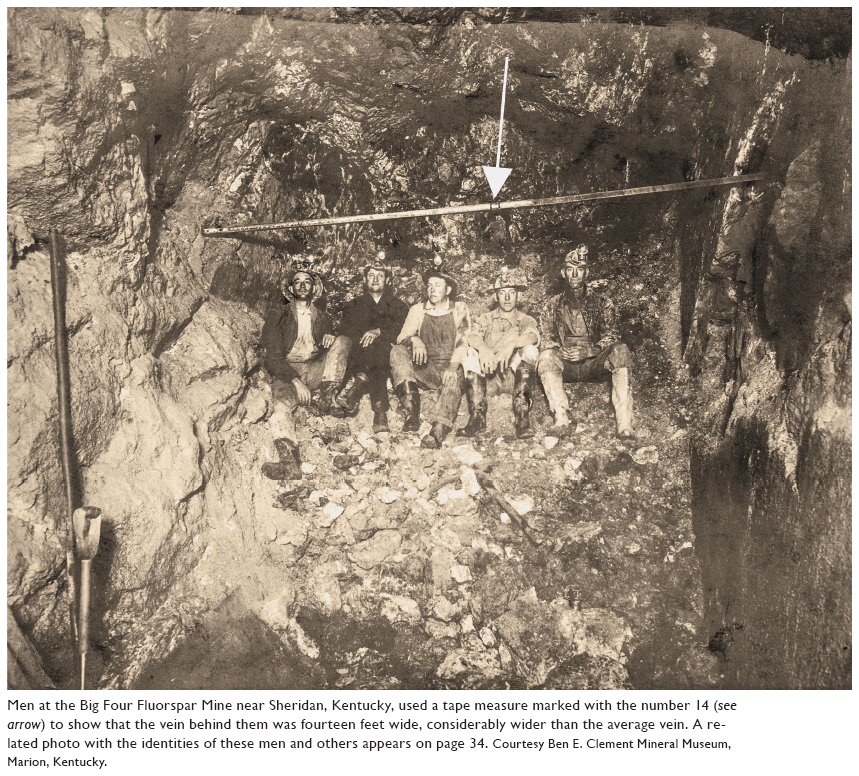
[[578, 257], [378, 262], [507, 279]]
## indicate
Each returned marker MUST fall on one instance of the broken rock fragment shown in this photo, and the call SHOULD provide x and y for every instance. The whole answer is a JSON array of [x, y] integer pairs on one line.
[[387, 496], [398, 608], [441, 630], [461, 574], [374, 550]]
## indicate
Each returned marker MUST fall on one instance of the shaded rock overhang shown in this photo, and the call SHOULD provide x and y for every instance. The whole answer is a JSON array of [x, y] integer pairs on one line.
[[813, 33]]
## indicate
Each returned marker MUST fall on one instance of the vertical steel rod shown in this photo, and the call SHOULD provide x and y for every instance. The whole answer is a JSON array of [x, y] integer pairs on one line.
[[64, 406]]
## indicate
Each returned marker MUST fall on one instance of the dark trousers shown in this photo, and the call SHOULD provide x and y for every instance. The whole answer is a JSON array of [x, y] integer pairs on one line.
[[375, 362]]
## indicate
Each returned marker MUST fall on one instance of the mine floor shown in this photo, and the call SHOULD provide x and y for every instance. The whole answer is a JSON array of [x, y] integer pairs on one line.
[[405, 585]]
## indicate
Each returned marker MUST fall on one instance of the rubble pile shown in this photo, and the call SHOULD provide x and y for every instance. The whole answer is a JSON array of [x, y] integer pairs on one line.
[[392, 566]]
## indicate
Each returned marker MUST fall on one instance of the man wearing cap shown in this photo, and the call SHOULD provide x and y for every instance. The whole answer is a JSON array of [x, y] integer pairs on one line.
[[430, 351], [502, 357], [372, 322], [302, 355], [582, 344]]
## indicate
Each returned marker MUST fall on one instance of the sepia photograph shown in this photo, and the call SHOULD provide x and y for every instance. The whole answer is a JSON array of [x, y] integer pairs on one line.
[[433, 348]]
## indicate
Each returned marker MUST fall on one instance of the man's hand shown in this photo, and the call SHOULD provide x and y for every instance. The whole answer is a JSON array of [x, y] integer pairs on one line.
[[419, 351], [327, 340], [302, 390], [487, 361], [577, 353], [370, 337], [449, 378], [505, 353]]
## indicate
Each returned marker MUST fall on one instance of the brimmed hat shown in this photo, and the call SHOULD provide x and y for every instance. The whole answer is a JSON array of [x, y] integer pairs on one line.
[[515, 279], [301, 264], [304, 264], [378, 262], [436, 270], [577, 257]]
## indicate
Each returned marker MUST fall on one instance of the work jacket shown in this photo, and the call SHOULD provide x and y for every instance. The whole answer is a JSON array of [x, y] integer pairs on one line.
[[494, 331], [364, 314], [280, 332], [597, 312], [461, 322]]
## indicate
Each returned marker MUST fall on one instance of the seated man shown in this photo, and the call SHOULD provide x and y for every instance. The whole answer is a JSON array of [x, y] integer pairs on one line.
[[504, 347], [372, 322], [431, 348], [582, 344], [302, 355]]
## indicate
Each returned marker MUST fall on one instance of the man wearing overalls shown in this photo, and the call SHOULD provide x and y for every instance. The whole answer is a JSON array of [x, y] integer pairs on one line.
[[430, 352]]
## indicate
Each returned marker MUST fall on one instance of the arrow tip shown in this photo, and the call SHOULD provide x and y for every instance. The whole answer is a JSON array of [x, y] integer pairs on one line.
[[496, 177]]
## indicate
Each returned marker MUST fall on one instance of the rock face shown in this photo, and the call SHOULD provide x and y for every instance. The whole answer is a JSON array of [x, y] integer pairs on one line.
[[778, 539], [129, 128]]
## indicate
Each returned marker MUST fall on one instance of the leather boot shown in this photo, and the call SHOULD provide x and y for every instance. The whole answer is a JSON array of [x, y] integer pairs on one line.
[[350, 396], [522, 401], [436, 436], [553, 384], [380, 416], [324, 398], [621, 397], [289, 466], [475, 394], [410, 405]]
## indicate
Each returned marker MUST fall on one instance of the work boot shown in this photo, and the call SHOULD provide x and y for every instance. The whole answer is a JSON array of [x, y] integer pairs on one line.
[[475, 394], [289, 466], [410, 405], [350, 396], [522, 401], [621, 397], [553, 384], [436, 436], [324, 398], [380, 416]]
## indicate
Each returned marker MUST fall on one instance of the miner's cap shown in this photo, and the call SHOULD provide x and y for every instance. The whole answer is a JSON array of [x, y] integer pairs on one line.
[[379, 263], [578, 257], [436, 270], [510, 279], [305, 266]]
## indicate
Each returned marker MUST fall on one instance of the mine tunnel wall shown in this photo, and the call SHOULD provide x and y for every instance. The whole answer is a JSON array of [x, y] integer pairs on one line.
[[771, 481], [126, 133]]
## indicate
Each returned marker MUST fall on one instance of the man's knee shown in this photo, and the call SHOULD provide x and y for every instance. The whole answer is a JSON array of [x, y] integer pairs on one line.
[[549, 362], [400, 355], [619, 357], [341, 344], [530, 354]]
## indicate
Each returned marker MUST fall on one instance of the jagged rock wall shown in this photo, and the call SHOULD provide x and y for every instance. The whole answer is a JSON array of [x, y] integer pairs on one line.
[[772, 468], [129, 128]]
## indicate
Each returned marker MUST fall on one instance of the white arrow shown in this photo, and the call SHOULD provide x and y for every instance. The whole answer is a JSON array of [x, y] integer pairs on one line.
[[497, 175]]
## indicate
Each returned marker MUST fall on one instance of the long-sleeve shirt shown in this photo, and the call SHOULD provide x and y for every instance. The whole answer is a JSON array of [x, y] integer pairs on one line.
[[364, 314], [495, 330], [461, 321], [562, 318]]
